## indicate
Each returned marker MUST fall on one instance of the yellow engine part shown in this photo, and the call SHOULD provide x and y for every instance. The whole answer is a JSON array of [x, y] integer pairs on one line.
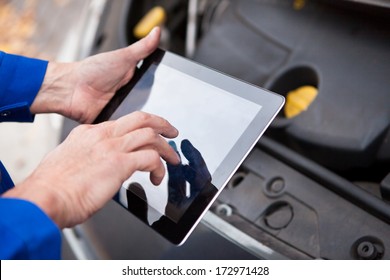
[[299, 100], [299, 4], [155, 17]]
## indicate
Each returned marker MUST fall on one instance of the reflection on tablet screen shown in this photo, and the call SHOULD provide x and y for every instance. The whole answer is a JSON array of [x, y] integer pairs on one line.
[[201, 146]]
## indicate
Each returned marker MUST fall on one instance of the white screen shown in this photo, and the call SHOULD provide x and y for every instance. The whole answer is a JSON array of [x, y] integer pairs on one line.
[[211, 118]]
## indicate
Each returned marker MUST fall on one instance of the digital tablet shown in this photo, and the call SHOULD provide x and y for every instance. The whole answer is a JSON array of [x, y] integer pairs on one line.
[[219, 119]]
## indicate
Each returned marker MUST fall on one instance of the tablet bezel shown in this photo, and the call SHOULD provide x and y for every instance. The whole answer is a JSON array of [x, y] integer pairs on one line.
[[270, 104]]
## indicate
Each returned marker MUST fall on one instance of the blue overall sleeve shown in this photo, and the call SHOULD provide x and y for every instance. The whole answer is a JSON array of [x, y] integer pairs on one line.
[[20, 80], [26, 232]]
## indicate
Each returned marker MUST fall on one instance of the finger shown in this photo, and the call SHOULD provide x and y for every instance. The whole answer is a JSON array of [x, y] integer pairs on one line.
[[175, 170], [140, 119], [193, 156], [175, 175], [144, 47], [148, 161], [197, 181], [190, 174], [176, 184], [145, 138], [174, 147], [195, 159]]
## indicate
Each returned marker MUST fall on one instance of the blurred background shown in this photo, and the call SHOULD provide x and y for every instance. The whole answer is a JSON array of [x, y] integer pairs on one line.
[[50, 30]]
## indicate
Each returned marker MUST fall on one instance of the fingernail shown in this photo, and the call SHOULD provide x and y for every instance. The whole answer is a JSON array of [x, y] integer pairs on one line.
[[153, 32], [172, 144]]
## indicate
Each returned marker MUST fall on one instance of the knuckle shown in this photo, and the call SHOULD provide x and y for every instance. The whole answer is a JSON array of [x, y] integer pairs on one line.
[[112, 159], [104, 130], [116, 159], [79, 131], [105, 148], [150, 134], [141, 116], [154, 158]]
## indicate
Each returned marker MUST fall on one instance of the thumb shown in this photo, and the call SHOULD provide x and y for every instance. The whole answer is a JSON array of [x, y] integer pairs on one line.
[[144, 47]]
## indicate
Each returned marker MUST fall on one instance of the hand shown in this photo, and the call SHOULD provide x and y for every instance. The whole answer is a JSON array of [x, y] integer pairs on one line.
[[196, 173], [80, 90], [88, 168]]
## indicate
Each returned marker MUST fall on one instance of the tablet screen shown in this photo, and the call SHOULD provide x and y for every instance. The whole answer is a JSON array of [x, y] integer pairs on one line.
[[179, 98], [219, 120]]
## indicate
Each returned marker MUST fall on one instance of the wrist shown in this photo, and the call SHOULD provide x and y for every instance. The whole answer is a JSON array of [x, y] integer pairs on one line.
[[48, 202], [56, 90]]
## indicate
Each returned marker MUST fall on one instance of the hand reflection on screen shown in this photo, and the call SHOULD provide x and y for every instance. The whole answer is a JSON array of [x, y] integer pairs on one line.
[[195, 173]]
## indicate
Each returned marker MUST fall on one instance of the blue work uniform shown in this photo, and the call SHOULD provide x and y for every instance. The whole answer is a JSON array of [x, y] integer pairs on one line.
[[26, 232]]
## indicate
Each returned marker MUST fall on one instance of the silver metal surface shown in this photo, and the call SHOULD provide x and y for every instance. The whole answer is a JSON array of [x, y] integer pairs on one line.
[[240, 238]]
